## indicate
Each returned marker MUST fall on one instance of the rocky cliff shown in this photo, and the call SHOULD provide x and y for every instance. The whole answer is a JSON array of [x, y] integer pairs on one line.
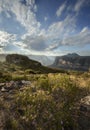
[[73, 62]]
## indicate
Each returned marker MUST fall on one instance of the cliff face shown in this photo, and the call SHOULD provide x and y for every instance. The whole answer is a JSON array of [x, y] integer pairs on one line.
[[73, 62]]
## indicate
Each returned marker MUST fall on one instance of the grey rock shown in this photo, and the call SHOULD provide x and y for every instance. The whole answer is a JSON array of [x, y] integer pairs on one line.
[[4, 90]]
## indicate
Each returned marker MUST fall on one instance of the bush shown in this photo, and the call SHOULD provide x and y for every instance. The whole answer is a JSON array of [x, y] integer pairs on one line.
[[19, 78], [5, 77]]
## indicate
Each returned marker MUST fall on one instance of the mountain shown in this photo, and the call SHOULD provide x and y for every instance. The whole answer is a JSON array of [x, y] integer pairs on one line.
[[21, 60], [72, 61], [25, 63], [44, 60]]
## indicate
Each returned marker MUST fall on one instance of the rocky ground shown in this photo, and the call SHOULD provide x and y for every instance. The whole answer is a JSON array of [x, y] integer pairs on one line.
[[7, 93]]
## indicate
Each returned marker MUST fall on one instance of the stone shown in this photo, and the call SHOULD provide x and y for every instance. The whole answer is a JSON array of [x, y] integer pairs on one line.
[[86, 100], [4, 90]]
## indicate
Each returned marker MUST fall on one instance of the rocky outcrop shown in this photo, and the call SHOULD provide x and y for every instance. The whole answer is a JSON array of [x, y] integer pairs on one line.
[[12, 85], [73, 62]]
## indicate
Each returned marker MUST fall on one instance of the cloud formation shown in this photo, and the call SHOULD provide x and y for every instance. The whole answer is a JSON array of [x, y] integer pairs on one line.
[[6, 38], [80, 39], [79, 4], [24, 13], [35, 43], [36, 39], [61, 9]]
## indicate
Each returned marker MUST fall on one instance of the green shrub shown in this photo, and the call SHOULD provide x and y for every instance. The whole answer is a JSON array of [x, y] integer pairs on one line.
[[5, 77], [43, 84], [18, 78]]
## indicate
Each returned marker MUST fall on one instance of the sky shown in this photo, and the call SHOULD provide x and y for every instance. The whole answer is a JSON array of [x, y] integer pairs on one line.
[[45, 27]]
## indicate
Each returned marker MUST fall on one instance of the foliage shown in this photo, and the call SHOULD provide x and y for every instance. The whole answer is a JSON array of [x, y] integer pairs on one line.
[[19, 77], [48, 105], [5, 77]]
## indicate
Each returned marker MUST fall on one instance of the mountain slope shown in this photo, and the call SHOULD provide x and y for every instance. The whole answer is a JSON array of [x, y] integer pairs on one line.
[[44, 60], [72, 61], [25, 63]]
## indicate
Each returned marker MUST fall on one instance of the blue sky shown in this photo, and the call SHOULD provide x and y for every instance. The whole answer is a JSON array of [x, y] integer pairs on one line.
[[45, 27]]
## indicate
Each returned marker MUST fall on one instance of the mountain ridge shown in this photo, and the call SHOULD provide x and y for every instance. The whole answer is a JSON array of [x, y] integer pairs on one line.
[[44, 60], [25, 63], [72, 61]]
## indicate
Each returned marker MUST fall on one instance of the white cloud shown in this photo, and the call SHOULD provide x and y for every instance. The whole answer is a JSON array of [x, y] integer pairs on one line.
[[85, 29], [76, 8], [78, 5], [61, 29], [45, 18], [61, 9], [6, 38], [24, 13], [80, 39], [20, 44], [43, 41], [49, 39]]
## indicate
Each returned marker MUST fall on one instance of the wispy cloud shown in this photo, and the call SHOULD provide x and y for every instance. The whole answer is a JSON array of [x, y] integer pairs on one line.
[[45, 18], [6, 41], [80, 39], [36, 39], [24, 13], [79, 4], [61, 9], [6, 38]]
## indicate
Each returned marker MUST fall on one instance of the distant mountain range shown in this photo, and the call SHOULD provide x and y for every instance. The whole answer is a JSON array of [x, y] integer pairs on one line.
[[73, 62]]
